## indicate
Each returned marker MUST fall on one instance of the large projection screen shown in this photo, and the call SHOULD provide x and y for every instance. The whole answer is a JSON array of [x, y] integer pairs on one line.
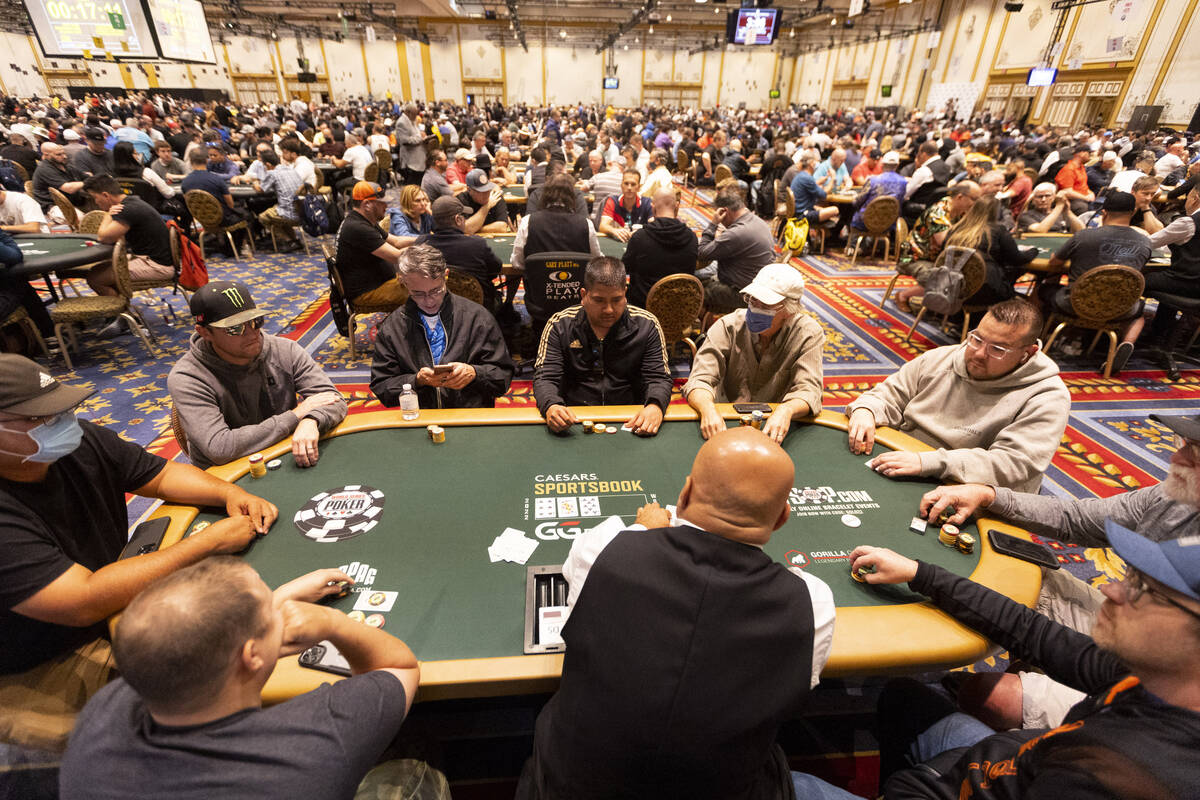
[[181, 30], [78, 28]]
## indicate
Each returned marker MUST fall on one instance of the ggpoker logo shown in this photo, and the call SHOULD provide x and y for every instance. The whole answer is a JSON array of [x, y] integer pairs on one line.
[[549, 531]]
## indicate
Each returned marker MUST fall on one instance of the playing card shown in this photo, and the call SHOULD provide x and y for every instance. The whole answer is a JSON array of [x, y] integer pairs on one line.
[[568, 507], [544, 508], [589, 506]]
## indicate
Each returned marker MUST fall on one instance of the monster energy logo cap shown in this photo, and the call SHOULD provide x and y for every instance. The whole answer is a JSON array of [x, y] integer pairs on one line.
[[222, 304]]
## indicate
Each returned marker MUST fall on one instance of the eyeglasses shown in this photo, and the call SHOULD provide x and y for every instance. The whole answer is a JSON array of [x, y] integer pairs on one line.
[[238, 330], [996, 351], [1136, 586], [432, 294]]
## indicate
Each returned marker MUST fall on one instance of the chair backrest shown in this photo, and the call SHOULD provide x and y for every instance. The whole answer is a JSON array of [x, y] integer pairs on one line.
[[464, 285], [552, 282], [29, 188], [141, 188], [177, 430], [721, 174], [64, 205], [881, 214], [384, 159], [320, 176], [676, 300], [1106, 292], [91, 221], [176, 248], [371, 173], [205, 208], [682, 162], [789, 199], [120, 262]]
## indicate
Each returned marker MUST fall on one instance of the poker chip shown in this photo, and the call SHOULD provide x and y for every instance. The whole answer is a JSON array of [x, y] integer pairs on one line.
[[601, 428], [948, 535], [274, 463], [851, 521], [375, 621], [377, 598], [357, 616], [861, 573], [611, 429], [965, 543], [340, 514]]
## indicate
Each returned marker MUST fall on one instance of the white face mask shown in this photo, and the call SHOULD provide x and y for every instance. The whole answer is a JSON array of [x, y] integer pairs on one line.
[[58, 438]]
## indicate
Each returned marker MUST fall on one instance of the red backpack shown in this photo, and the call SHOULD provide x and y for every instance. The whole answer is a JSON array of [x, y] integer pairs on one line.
[[192, 272]]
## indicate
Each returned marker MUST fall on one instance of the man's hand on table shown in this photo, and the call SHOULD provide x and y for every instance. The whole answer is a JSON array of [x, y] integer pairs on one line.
[[778, 424], [559, 418], [230, 535], [861, 431], [652, 515], [966, 500], [304, 443], [261, 513], [890, 566], [647, 421], [622, 234], [314, 586], [711, 422], [897, 464]]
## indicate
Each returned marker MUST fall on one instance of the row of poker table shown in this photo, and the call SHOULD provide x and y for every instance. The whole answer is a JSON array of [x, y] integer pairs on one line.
[[442, 505]]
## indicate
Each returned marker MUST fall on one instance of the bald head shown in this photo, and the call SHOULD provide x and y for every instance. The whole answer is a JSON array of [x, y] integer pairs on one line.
[[50, 149], [665, 203], [738, 487]]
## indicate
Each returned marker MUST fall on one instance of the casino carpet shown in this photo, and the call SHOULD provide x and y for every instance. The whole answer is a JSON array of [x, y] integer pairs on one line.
[[1109, 446]]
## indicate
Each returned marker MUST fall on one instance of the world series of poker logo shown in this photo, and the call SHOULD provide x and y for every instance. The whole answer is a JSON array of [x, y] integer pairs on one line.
[[827, 501], [340, 514]]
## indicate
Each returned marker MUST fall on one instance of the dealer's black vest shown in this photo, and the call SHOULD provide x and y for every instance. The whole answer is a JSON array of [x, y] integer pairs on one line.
[[1185, 256], [941, 177], [684, 653]]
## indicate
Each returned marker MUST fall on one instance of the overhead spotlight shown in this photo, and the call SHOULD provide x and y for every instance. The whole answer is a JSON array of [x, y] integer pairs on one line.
[[792, 33], [701, 1], [1013, 6], [668, 17], [626, 46], [651, 29], [833, 21], [562, 33]]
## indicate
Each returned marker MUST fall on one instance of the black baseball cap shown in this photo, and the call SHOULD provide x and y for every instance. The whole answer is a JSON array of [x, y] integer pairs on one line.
[[1187, 427], [477, 180], [1120, 202], [95, 134], [27, 390], [223, 304]]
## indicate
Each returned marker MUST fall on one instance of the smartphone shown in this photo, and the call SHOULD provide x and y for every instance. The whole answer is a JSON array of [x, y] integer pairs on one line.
[[442, 369], [325, 657], [750, 408], [146, 537], [1023, 549]]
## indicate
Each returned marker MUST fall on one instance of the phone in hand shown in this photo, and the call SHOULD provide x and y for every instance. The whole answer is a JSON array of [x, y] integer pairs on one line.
[[1023, 549], [325, 657], [442, 369]]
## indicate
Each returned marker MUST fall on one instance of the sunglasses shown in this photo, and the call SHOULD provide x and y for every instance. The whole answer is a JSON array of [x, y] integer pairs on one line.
[[238, 330]]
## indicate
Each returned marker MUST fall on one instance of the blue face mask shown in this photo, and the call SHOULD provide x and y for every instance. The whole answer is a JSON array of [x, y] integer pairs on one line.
[[757, 321], [55, 440]]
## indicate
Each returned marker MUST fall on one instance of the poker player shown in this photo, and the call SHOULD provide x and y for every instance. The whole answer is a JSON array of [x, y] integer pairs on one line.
[[63, 525]]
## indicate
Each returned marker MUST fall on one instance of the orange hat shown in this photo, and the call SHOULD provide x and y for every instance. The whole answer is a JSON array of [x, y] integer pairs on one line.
[[365, 190]]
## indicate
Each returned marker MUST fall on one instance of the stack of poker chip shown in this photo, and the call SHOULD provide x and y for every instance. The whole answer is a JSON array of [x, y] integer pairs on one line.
[[965, 543], [257, 467], [437, 433], [949, 535], [756, 420], [589, 426]]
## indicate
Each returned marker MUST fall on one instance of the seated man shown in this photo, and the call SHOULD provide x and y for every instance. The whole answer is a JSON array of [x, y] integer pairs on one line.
[[888, 183], [602, 352], [366, 254], [469, 254], [438, 329], [994, 408], [147, 238], [743, 248], [807, 193], [284, 181], [1072, 182], [16, 292], [1048, 213], [20, 213], [768, 353], [236, 387], [687, 646], [185, 719], [1114, 242], [660, 175], [1135, 733], [920, 250], [95, 158], [1164, 511], [664, 246], [485, 209], [166, 165], [219, 162], [623, 211], [55, 172], [64, 523], [831, 174], [216, 185]]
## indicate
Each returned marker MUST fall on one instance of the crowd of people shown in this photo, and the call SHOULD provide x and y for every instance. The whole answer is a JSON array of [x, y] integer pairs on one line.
[[716, 646]]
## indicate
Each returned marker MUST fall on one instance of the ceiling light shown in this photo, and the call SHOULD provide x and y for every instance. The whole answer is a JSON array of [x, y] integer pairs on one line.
[[562, 33], [833, 21], [701, 1], [626, 47], [792, 33], [651, 29], [668, 17]]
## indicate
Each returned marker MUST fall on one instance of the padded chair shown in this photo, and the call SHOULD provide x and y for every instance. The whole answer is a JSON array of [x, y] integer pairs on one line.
[[1104, 299], [552, 283], [372, 172], [383, 159], [683, 170], [64, 205], [356, 309], [901, 235], [207, 210], [20, 316], [721, 174], [464, 285], [171, 283], [91, 222], [177, 430], [69, 311], [21, 172], [974, 272], [879, 216], [677, 300]]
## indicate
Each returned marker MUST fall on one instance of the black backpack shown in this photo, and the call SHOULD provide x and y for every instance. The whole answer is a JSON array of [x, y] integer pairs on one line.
[[9, 178], [314, 217]]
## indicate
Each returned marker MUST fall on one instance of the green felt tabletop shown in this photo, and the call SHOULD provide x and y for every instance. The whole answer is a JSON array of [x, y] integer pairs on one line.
[[502, 246], [443, 504], [46, 252], [514, 191]]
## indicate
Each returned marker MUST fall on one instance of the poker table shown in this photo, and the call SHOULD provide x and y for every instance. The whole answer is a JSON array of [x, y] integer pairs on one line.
[[48, 252], [438, 507], [243, 191], [502, 246], [1049, 243], [514, 194]]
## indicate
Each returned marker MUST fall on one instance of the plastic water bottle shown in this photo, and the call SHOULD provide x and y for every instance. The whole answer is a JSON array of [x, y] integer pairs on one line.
[[409, 407]]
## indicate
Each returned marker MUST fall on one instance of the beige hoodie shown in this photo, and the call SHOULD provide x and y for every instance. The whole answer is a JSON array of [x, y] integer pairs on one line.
[[1002, 431]]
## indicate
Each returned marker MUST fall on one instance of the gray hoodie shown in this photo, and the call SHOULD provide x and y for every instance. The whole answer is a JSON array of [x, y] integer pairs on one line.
[[229, 411], [1002, 431]]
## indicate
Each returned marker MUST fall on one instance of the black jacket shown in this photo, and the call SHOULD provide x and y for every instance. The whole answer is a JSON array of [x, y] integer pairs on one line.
[[472, 337], [1119, 741], [662, 247], [574, 368]]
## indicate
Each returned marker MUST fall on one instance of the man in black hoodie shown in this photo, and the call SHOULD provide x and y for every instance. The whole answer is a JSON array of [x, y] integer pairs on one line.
[[664, 246]]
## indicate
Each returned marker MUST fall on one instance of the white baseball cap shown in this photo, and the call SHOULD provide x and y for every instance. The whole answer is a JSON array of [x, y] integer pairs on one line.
[[890, 157], [775, 283]]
